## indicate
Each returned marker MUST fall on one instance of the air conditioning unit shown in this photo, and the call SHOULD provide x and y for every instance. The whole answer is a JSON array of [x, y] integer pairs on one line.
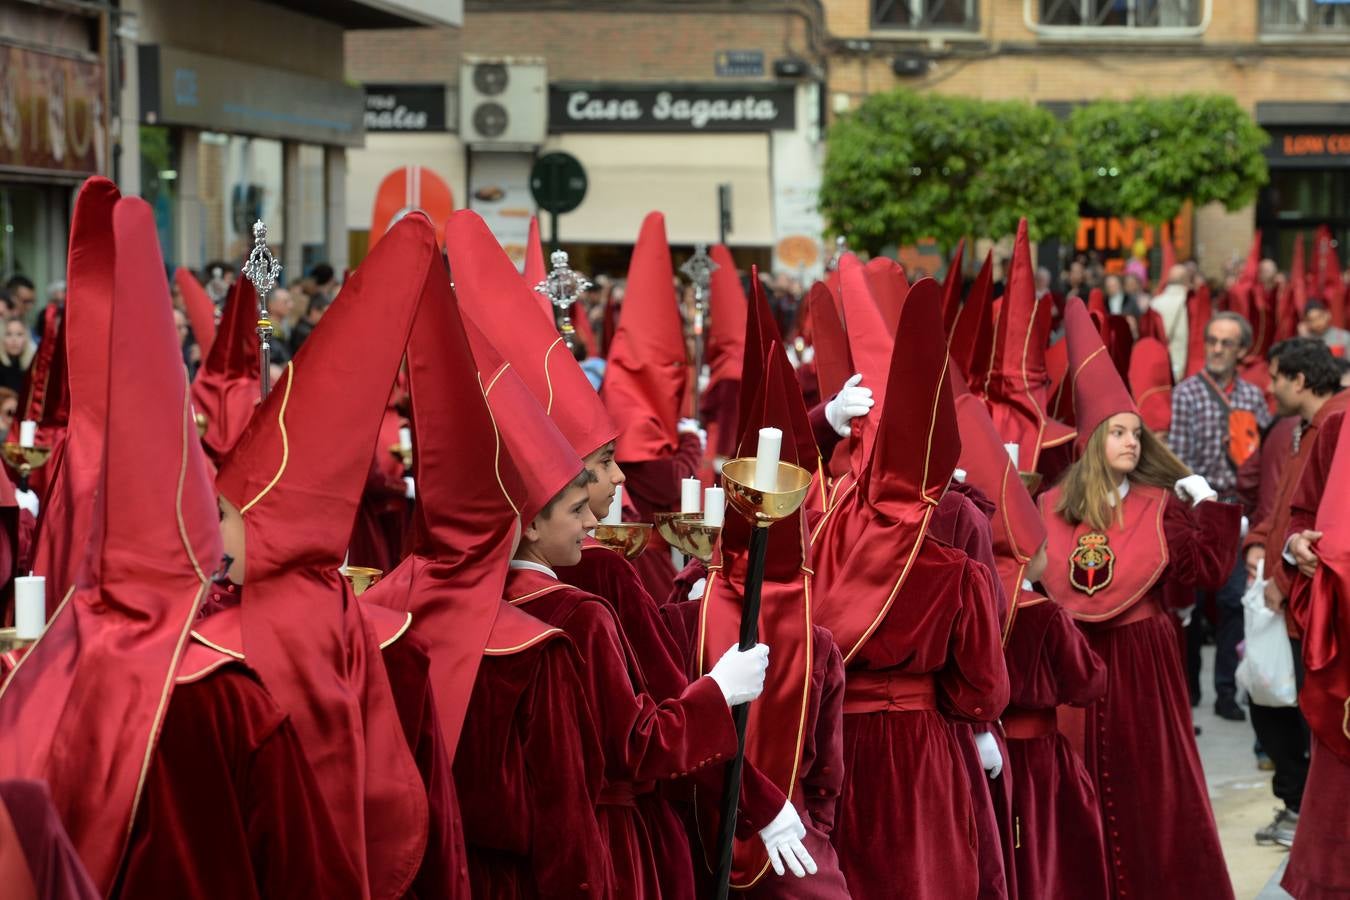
[[503, 102]]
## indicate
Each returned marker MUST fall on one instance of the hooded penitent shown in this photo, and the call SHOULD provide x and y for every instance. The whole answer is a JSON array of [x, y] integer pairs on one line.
[[869, 346], [914, 454], [296, 475], [75, 470], [84, 708], [833, 365], [971, 337], [951, 288], [1098, 391], [1151, 383], [495, 300], [226, 391], [725, 353], [1018, 388], [888, 284], [647, 372], [201, 312]]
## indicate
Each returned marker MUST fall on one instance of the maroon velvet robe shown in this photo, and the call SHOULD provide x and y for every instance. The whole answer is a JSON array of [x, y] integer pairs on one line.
[[381, 521], [528, 771], [1061, 855], [643, 741], [231, 807], [905, 805], [41, 861], [1138, 741], [653, 486]]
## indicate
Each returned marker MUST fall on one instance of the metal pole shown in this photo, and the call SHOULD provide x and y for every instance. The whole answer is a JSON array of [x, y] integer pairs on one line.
[[263, 269], [731, 788]]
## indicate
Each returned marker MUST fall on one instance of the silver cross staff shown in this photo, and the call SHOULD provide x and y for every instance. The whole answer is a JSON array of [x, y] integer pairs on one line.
[[263, 269], [562, 287], [840, 248], [698, 269]]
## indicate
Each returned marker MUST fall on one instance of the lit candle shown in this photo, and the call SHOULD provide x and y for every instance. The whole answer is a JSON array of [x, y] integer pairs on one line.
[[1014, 452], [27, 433], [405, 438], [766, 459], [614, 515], [714, 506], [30, 606], [690, 489]]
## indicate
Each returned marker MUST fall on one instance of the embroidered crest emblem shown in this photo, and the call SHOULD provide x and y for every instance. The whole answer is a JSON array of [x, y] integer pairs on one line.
[[1092, 563]]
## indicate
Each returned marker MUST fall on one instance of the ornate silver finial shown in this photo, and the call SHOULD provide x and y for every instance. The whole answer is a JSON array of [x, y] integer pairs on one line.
[[840, 248], [263, 269], [562, 287], [698, 269]]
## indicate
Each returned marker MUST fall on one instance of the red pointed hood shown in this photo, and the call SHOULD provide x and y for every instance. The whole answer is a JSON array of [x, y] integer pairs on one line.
[[68, 508], [1018, 529], [226, 390], [647, 372], [1169, 252], [297, 474], [497, 302], [1252, 267], [1096, 303], [1199, 310], [464, 523], [535, 268], [728, 309], [1151, 383], [869, 346], [764, 353], [546, 462], [758, 331], [888, 284], [201, 312], [46, 398], [951, 288], [971, 339], [89, 698], [1327, 271], [833, 364], [1098, 392], [1293, 296]]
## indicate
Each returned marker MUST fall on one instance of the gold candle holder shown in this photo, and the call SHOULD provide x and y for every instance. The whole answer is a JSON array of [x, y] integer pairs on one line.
[[627, 538], [1031, 480], [687, 534], [764, 507], [199, 419], [10, 640], [361, 578], [25, 459], [403, 455]]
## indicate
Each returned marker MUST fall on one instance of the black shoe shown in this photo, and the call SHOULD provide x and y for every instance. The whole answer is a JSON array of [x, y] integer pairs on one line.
[[1226, 707]]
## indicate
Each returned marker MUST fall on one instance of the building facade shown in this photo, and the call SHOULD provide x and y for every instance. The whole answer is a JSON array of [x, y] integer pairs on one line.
[[1287, 61]]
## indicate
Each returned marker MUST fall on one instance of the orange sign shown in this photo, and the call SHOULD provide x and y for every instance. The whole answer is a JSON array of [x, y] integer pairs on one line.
[[1316, 144], [411, 188], [1115, 235]]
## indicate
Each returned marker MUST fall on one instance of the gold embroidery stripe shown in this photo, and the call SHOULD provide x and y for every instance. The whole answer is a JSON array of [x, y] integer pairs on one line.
[[507, 651], [217, 647], [285, 441], [407, 623]]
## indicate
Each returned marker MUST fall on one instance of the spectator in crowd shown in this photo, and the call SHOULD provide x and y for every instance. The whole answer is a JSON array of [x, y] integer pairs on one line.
[[23, 295], [1075, 281], [187, 343], [1120, 302], [1042, 281], [281, 310], [16, 354], [1171, 306], [6, 306], [9, 408], [56, 293], [318, 305], [1268, 274], [219, 278], [325, 281], [1216, 423], [1317, 324]]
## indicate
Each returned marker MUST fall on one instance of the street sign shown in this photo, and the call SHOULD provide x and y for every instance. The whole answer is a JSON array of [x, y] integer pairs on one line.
[[558, 182]]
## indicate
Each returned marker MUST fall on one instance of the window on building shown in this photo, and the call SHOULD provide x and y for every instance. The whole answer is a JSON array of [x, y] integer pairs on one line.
[[1122, 13], [1305, 17], [933, 15]]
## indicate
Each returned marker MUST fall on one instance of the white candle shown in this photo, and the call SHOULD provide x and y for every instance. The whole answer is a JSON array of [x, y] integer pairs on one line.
[[30, 606], [690, 489], [614, 516], [27, 433], [405, 438], [766, 459], [714, 506], [1014, 452]]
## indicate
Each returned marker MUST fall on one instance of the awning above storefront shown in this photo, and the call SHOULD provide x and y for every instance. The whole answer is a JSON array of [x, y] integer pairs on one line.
[[629, 175], [362, 14]]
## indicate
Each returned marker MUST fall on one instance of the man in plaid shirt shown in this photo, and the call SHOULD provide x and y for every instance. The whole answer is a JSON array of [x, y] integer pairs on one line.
[[1201, 406]]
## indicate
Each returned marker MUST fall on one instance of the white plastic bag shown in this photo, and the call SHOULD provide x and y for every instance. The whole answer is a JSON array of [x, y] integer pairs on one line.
[[1266, 672]]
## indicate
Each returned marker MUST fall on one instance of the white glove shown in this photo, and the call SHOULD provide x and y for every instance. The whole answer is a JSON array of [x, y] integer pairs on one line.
[[740, 674], [959, 476], [27, 500], [691, 426], [409, 487], [783, 839], [991, 759], [852, 400], [1195, 489], [697, 588]]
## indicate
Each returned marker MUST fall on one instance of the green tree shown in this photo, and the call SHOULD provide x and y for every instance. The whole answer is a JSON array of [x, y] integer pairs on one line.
[[1147, 156], [905, 166]]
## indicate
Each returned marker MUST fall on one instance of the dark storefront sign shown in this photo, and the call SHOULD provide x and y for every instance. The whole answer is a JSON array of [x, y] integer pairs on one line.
[[647, 108], [738, 63], [405, 107], [51, 113], [216, 94], [1309, 147]]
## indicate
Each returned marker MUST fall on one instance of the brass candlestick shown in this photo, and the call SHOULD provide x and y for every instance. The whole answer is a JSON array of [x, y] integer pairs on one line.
[[687, 534], [627, 538], [10, 640], [25, 459], [1031, 480], [361, 578], [404, 454], [763, 508]]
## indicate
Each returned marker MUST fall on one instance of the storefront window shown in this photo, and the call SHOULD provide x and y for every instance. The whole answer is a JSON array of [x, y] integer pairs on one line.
[[241, 181], [312, 230], [1299, 201], [22, 226], [925, 14], [159, 183]]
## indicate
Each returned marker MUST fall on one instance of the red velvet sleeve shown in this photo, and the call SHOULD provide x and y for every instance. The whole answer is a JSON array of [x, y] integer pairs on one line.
[[645, 740], [654, 485], [825, 781], [1202, 543], [1303, 509], [826, 437], [566, 847], [1079, 673], [973, 686]]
